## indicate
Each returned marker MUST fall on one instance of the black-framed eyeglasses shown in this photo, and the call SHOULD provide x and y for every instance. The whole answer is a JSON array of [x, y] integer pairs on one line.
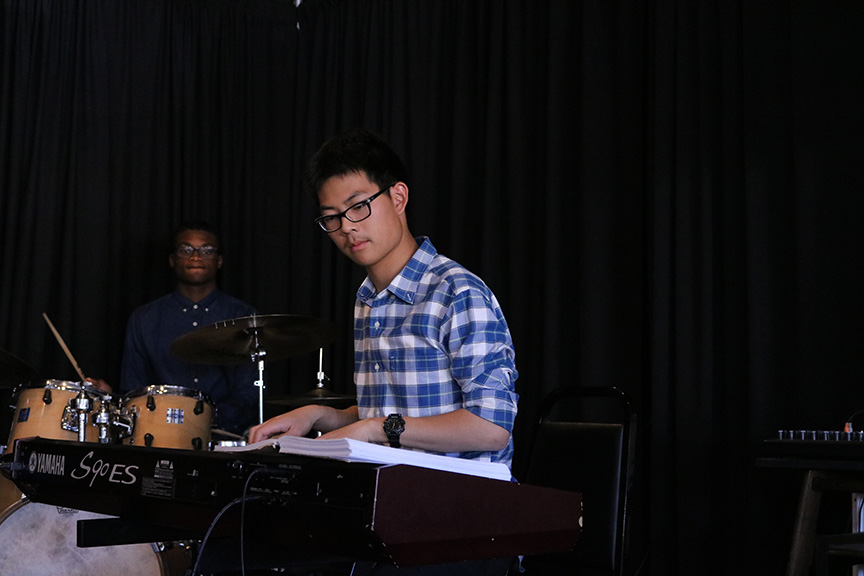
[[206, 252], [356, 213]]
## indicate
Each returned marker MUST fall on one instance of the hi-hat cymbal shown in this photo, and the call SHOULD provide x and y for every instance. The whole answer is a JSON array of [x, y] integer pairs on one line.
[[14, 371], [318, 395], [253, 338]]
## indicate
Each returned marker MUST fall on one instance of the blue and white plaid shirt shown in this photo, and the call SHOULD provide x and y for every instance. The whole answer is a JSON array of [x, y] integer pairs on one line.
[[433, 342]]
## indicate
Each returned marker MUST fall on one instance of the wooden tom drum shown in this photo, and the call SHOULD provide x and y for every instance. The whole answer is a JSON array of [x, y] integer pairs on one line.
[[169, 417], [47, 412]]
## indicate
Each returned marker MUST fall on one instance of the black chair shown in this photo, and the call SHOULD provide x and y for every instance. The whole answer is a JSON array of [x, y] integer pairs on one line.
[[584, 441]]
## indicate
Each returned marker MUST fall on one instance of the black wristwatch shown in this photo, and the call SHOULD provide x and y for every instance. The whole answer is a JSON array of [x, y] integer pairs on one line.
[[394, 425]]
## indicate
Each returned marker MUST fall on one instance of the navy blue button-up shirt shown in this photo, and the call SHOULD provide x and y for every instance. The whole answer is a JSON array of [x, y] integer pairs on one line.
[[148, 361]]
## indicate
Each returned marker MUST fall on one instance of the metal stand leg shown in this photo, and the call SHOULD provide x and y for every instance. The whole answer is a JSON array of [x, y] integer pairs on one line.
[[804, 537], [857, 525]]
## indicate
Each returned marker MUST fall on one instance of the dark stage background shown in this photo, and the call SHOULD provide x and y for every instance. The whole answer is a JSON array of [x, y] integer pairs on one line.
[[666, 196]]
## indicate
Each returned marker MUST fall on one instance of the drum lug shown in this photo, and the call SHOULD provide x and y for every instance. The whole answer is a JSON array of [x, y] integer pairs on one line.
[[148, 440], [46, 396], [199, 407], [197, 443], [151, 403]]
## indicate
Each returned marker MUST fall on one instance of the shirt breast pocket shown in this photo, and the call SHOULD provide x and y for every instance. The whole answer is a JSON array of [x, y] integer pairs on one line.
[[418, 359]]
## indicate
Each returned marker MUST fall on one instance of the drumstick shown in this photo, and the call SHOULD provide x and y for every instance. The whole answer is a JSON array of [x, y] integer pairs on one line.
[[65, 348]]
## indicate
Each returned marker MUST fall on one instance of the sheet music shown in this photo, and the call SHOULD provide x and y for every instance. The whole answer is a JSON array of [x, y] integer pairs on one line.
[[350, 450]]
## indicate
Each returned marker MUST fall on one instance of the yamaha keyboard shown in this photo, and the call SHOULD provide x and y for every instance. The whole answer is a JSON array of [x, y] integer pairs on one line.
[[398, 513]]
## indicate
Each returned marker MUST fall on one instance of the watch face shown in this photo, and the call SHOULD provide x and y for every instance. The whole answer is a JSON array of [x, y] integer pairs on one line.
[[394, 424]]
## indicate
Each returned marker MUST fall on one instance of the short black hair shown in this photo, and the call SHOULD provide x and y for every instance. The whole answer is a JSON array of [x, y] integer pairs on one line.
[[352, 152], [199, 225]]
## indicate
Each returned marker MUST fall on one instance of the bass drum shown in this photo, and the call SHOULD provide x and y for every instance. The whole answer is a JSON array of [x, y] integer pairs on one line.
[[40, 540]]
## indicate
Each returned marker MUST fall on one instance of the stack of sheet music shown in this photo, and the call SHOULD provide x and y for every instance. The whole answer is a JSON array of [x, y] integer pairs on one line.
[[350, 450]]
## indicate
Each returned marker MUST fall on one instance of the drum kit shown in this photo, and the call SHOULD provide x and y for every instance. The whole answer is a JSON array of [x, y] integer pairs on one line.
[[162, 416]]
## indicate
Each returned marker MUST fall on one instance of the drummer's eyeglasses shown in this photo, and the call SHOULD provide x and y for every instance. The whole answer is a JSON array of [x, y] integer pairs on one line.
[[206, 252], [356, 213]]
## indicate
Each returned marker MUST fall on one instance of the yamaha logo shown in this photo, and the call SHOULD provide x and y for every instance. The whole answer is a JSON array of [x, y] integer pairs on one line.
[[53, 464]]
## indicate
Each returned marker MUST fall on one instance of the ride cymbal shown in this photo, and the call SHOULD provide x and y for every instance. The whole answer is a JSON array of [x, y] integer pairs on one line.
[[14, 371], [253, 338]]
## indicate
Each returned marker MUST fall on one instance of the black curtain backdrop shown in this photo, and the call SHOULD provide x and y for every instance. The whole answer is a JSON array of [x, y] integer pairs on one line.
[[665, 196]]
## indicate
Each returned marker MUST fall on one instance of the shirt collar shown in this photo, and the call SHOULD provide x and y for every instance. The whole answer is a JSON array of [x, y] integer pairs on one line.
[[404, 285], [205, 303]]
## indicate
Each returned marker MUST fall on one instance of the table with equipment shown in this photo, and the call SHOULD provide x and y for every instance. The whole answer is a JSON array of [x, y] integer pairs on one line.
[[832, 461]]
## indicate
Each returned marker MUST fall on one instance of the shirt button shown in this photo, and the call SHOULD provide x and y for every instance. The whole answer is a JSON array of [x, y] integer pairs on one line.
[[195, 307], [194, 323], [195, 380], [377, 367], [377, 324]]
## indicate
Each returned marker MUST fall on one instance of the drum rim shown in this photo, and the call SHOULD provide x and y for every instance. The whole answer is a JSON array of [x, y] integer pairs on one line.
[[63, 385], [167, 390], [12, 508]]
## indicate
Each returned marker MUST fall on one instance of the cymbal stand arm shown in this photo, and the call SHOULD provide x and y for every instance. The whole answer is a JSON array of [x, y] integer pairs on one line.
[[260, 384], [258, 356], [321, 375]]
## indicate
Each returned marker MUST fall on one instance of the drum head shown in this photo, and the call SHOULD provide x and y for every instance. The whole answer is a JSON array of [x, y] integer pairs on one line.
[[70, 387], [167, 390], [40, 540]]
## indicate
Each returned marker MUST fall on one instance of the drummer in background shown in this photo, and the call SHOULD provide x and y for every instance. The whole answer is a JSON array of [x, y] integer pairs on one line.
[[434, 361], [195, 257]]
